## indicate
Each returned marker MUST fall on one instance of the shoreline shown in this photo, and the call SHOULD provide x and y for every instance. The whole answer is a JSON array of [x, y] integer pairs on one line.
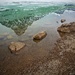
[[61, 59]]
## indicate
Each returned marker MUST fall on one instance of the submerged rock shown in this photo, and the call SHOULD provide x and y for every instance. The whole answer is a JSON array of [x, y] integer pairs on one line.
[[63, 20], [9, 37], [67, 28], [3, 37], [5, 34], [16, 46], [40, 35]]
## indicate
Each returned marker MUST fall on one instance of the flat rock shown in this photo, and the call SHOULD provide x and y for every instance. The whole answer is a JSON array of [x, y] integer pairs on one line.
[[40, 35], [16, 46], [67, 27]]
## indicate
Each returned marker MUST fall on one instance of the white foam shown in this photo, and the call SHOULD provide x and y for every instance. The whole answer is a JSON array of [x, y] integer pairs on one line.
[[70, 11], [55, 14]]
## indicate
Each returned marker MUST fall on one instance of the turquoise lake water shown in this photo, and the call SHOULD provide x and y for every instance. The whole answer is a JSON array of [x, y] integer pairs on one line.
[[19, 21], [19, 15]]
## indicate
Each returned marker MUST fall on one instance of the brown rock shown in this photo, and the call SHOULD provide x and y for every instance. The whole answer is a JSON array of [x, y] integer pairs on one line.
[[67, 27], [63, 29], [40, 35], [16, 46], [72, 45], [63, 20]]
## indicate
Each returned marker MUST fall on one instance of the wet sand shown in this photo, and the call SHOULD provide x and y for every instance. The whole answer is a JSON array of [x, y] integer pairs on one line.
[[36, 56]]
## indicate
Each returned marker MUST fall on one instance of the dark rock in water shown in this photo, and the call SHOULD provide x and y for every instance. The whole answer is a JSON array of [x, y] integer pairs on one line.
[[57, 22], [63, 20], [4, 9], [3, 36], [40, 35], [70, 7], [73, 9], [60, 12], [16, 46], [69, 4], [67, 28]]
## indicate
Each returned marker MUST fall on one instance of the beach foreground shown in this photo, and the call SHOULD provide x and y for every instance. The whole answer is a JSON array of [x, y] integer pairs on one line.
[[60, 61]]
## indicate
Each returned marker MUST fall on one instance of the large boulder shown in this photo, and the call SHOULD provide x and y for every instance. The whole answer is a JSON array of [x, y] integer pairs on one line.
[[40, 35], [67, 28], [16, 46]]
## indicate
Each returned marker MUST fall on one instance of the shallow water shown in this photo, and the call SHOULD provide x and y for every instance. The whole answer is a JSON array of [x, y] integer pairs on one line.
[[34, 52]]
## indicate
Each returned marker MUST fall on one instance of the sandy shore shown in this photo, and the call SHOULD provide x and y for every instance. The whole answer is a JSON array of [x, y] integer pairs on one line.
[[61, 59]]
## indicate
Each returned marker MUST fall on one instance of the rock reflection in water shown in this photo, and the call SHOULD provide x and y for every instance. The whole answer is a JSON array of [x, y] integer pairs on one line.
[[20, 25]]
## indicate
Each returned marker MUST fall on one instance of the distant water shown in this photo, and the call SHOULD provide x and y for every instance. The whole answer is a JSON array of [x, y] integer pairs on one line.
[[17, 15]]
